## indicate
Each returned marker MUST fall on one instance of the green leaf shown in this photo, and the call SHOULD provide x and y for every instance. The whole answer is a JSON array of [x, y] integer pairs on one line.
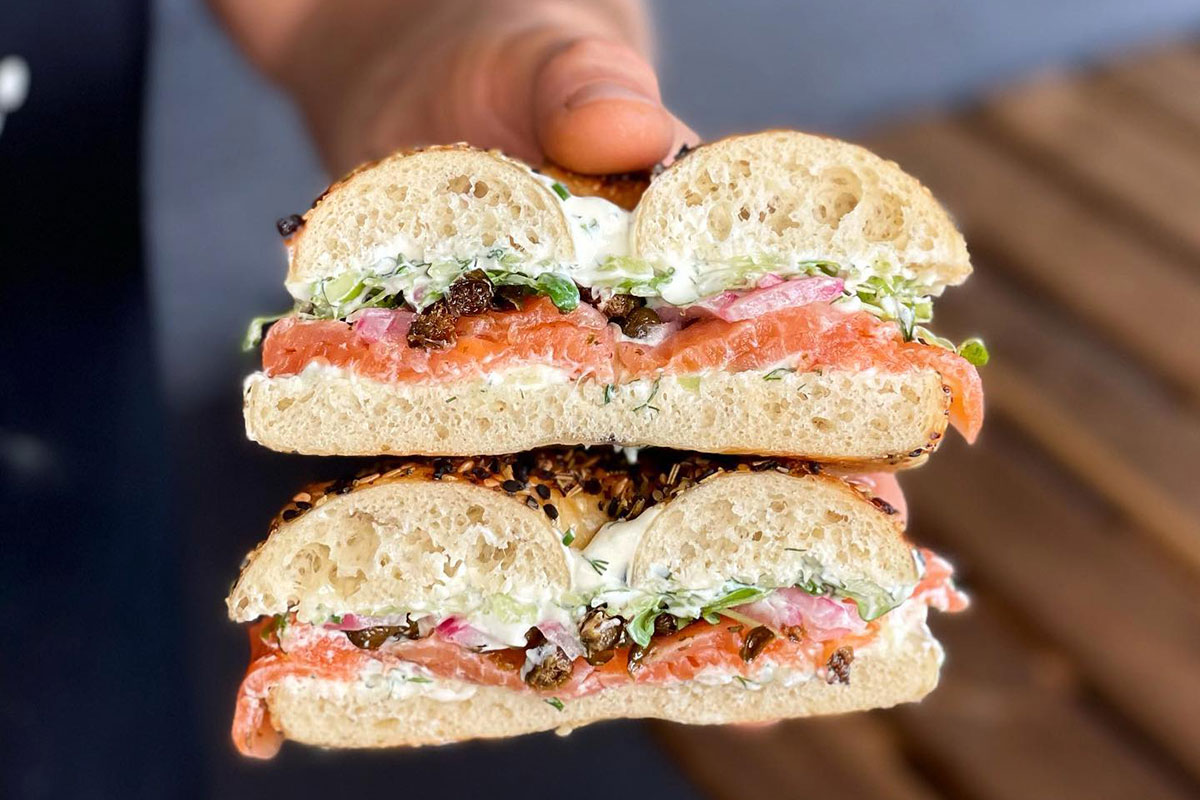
[[641, 628], [568, 537], [974, 351], [562, 291], [254, 331], [554, 701], [872, 601], [740, 595], [560, 190]]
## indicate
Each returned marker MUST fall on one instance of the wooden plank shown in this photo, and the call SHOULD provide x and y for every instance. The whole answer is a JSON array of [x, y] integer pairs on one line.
[[1144, 302], [1143, 164], [1008, 723], [1168, 78], [1125, 613], [1102, 418], [847, 757]]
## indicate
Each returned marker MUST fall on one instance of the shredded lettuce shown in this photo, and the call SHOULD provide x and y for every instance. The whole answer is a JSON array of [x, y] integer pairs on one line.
[[396, 282], [871, 600], [895, 298], [508, 609]]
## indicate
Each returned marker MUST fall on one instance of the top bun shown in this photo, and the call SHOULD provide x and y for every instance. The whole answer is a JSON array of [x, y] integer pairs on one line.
[[440, 202], [792, 195]]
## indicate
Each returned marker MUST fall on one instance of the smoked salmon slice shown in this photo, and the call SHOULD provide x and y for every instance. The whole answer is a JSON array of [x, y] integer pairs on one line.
[[583, 344]]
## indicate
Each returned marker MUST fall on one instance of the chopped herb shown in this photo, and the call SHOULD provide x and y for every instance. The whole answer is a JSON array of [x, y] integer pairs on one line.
[[451, 399], [418, 679], [745, 682], [554, 701], [560, 190], [796, 549], [568, 537], [974, 351], [777, 374], [598, 564], [690, 383], [649, 397], [608, 393]]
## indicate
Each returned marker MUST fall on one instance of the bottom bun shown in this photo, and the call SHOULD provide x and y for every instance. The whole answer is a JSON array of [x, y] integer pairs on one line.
[[895, 669], [860, 419]]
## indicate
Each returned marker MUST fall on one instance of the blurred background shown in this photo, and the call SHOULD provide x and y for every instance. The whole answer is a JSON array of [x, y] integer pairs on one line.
[[142, 169]]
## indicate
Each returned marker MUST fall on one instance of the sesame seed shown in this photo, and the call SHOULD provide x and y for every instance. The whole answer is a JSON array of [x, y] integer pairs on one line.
[[543, 491], [512, 487], [550, 510]]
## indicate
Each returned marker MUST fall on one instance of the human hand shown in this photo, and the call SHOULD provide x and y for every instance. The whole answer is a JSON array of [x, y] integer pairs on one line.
[[542, 80]]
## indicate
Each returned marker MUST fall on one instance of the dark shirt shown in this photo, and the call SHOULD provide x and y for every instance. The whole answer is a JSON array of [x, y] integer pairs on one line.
[[87, 564]]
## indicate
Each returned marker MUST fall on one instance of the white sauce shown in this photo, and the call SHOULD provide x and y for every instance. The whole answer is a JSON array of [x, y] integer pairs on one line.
[[604, 563], [600, 230]]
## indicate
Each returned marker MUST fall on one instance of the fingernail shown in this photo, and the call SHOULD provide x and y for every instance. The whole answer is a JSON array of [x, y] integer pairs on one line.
[[603, 90]]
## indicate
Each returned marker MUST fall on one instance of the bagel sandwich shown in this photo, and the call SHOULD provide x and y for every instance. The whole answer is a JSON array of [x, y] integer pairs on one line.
[[437, 600], [767, 293]]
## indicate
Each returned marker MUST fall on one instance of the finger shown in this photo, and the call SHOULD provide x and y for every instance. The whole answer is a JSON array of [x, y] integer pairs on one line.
[[684, 137], [597, 109]]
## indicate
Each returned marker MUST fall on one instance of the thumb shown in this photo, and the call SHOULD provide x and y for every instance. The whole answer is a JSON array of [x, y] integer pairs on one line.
[[597, 109]]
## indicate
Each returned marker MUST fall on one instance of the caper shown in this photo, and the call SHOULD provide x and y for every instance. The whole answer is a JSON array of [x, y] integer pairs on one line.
[[755, 641], [640, 322]]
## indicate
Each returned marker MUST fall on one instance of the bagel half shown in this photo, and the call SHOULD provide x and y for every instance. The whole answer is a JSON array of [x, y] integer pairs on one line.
[[767, 293], [440, 202], [438, 600], [788, 195]]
